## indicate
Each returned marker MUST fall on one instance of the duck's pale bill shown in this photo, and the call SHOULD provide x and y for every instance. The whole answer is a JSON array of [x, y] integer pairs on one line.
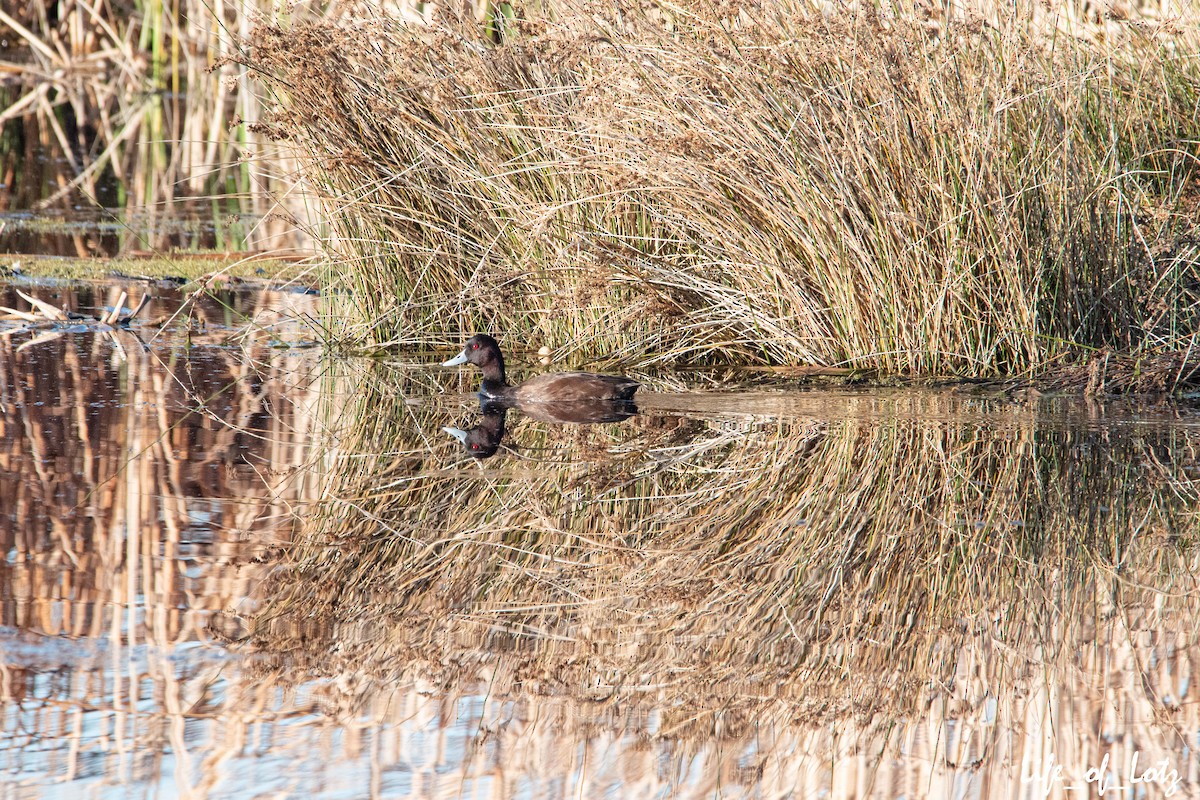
[[461, 358]]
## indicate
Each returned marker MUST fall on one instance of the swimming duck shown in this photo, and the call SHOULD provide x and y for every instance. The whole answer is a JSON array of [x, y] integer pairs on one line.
[[557, 388]]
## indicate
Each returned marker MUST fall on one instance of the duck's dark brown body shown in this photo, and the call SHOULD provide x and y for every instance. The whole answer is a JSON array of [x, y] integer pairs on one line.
[[571, 387]]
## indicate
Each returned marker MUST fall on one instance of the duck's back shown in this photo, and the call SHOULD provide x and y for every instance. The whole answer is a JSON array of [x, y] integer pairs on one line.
[[574, 387]]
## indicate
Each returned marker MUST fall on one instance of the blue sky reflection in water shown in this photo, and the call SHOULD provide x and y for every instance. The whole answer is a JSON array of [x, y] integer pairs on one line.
[[767, 591]]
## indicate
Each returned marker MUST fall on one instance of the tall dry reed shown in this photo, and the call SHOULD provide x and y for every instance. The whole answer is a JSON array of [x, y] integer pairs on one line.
[[119, 106], [756, 183]]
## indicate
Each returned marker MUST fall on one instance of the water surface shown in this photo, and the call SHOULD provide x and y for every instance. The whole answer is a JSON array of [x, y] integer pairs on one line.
[[185, 226], [236, 567]]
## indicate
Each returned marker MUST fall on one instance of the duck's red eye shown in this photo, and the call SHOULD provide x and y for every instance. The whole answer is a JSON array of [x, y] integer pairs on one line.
[[474, 447], [474, 345]]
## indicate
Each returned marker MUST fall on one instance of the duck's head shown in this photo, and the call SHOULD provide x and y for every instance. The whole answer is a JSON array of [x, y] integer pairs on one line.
[[481, 350]]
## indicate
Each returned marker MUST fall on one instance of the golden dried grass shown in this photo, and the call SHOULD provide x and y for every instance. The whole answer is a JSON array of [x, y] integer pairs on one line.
[[756, 184], [118, 106]]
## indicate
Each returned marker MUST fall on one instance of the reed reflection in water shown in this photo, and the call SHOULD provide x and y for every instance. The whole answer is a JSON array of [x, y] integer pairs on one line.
[[768, 593], [146, 477]]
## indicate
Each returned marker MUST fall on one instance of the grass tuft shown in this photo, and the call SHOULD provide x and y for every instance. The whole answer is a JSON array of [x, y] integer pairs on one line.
[[771, 186]]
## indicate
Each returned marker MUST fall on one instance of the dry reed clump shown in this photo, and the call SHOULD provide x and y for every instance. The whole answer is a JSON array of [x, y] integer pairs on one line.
[[835, 567], [117, 105], [771, 187]]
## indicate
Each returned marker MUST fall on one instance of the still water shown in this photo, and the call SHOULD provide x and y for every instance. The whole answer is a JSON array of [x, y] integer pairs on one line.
[[190, 227], [237, 567]]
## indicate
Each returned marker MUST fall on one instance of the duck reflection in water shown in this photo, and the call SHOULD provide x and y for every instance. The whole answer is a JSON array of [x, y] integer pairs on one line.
[[484, 439]]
